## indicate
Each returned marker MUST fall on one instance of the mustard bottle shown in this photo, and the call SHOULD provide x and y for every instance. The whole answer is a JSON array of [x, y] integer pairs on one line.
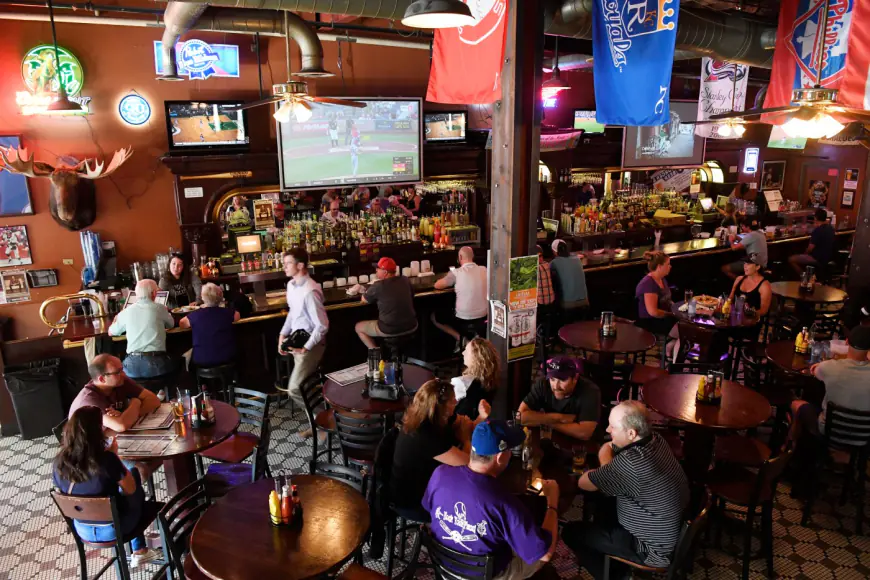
[[702, 388]]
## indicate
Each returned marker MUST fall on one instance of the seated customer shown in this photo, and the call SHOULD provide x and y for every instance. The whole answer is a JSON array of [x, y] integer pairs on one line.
[[470, 281], [753, 286], [184, 286], [394, 297], [569, 279], [753, 242], [821, 248], [121, 401], [85, 465], [650, 490], [479, 379], [472, 513], [565, 400], [214, 340], [653, 295], [729, 215], [429, 436], [145, 324]]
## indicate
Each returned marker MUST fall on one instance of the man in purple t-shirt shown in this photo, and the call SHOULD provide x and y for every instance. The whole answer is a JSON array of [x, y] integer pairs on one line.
[[471, 512]]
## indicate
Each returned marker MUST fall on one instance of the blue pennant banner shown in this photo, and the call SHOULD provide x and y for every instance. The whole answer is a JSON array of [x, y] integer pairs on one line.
[[633, 45]]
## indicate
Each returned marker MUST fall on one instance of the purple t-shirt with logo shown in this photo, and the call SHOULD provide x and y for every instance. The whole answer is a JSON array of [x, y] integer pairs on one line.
[[473, 513]]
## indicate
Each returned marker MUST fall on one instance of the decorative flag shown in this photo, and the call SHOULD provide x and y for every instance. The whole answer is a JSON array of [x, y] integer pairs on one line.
[[718, 92], [467, 61], [633, 44], [845, 45]]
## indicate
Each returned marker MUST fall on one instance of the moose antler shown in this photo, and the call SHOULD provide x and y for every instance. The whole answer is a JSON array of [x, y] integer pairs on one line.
[[17, 161], [121, 155]]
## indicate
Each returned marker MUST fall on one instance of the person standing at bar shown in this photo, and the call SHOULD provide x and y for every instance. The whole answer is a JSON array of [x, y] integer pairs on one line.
[[307, 313], [145, 324], [184, 286], [821, 246]]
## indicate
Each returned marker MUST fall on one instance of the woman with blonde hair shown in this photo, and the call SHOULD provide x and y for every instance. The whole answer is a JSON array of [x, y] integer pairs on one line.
[[431, 434], [479, 379]]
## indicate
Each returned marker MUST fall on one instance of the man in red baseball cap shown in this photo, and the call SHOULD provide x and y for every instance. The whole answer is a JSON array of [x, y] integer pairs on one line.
[[394, 298]]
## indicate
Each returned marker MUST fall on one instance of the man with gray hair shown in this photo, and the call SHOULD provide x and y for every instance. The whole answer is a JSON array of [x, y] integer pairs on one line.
[[470, 282], [648, 494], [145, 323]]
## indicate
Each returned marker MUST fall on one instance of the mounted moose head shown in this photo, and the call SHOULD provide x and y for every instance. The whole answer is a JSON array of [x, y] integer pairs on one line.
[[72, 202]]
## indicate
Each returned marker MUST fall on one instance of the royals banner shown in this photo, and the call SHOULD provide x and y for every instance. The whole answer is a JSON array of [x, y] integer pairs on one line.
[[845, 46], [719, 92], [466, 61], [633, 45]]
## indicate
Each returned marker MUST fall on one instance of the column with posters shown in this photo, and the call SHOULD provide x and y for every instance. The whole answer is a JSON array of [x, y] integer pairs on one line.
[[522, 307]]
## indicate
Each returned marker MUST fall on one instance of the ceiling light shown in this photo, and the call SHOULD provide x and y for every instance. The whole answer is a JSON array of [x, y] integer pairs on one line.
[[282, 115], [438, 14], [63, 106], [723, 130], [739, 130], [818, 126], [302, 111]]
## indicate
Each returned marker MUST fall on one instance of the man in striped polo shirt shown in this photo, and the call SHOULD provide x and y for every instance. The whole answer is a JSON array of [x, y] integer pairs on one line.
[[649, 490]]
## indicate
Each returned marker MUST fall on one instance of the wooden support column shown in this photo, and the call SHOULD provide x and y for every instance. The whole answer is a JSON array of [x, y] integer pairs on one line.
[[859, 270], [516, 129]]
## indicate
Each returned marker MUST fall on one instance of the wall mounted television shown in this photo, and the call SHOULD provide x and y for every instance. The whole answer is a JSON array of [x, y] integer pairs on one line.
[[343, 146], [585, 119], [671, 145], [206, 126], [780, 140], [445, 126]]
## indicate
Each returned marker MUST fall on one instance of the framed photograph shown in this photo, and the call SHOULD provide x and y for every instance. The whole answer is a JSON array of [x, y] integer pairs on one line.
[[15, 286], [14, 191], [670, 145], [772, 175], [818, 193], [848, 200], [14, 246], [850, 179]]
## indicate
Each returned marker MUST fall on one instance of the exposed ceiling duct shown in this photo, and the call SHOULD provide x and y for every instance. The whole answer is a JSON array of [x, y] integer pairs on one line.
[[584, 61], [178, 18]]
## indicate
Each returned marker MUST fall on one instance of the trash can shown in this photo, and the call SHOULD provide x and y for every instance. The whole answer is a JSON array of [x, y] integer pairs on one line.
[[36, 398]]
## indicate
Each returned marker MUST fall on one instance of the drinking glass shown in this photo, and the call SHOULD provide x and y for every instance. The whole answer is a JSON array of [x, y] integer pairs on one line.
[[546, 432], [578, 461], [689, 294], [177, 409]]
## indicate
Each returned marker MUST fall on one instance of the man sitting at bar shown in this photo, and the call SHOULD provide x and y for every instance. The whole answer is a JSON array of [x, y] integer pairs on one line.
[[821, 246], [649, 492], [376, 206], [564, 400], [394, 298], [569, 280], [472, 513], [471, 299], [753, 242], [121, 400], [145, 324], [334, 215]]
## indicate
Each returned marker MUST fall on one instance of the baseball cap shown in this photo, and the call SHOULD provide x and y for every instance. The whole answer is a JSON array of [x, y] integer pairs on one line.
[[387, 264], [859, 338], [561, 368], [493, 437], [750, 259]]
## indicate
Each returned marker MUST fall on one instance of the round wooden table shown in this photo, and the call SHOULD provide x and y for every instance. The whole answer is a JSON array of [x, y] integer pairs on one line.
[[735, 320], [629, 339], [234, 539], [820, 295], [350, 396], [178, 460], [782, 354], [674, 397]]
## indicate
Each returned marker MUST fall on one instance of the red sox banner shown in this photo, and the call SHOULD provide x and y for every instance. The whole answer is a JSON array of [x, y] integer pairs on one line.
[[844, 46], [466, 61]]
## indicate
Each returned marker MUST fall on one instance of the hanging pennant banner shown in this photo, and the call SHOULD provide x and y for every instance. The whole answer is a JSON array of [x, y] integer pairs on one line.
[[633, 45], [467, 61], [798, 41], [719, 93]]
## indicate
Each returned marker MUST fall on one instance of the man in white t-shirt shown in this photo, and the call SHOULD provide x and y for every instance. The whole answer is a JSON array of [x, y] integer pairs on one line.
[[470, 282]]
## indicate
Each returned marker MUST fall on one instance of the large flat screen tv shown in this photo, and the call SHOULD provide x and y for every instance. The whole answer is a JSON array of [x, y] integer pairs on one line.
[[209, 126], [585, 119], [344, 146], [670, 145], [445, 126], [779, 140]]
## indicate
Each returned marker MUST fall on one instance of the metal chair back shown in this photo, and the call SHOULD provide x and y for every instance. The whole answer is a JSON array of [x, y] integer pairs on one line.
[[177, 519], [57, 430], [846, 428], [311, 391], [359, 436], [689, 533], [450, 564], [357, 479], [252, 406]]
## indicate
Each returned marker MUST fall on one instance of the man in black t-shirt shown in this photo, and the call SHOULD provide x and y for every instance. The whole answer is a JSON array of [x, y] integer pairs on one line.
[[394, 298], [821, 246], [566, 401]]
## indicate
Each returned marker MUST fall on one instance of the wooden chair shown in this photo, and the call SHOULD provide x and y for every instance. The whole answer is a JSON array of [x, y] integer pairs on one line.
[[755, 494], [102, 510], [684, 551], [253, 408], [359, 436], [697, 335], [449, 564], [846, 430], [320, 418], [176, 522]]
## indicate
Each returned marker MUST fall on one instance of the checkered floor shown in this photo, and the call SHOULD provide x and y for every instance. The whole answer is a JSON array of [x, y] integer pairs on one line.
[[35, 544]]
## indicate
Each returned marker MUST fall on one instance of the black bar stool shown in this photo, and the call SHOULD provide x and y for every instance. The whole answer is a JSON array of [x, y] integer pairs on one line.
[[217, 379]]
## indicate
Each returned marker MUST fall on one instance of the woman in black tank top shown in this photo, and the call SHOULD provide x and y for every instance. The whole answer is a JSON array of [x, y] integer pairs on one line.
[[753, 287]]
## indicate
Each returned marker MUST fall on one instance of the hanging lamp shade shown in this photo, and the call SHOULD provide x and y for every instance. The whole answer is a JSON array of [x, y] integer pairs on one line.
[[438, 14], [62, 105]]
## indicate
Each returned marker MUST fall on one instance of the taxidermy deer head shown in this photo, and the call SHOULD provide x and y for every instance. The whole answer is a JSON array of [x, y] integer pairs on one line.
[[72, 202]]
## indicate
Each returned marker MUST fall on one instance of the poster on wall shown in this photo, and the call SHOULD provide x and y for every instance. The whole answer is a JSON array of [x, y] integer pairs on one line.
[[15, 286], [723, 89], [818, 193], [772, 175], [522, 307], [14, 246], [850, 179], [848, 200], [14, 190], [499, 318], [672, 180], [264, 214]]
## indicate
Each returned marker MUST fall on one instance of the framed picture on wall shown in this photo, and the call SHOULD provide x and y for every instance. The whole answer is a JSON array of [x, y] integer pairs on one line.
[[820, 186], [848, 200], [772, 175], [14, 246], [14, 190]]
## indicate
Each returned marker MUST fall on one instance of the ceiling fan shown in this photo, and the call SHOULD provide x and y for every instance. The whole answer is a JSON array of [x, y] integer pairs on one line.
[[294, 94]]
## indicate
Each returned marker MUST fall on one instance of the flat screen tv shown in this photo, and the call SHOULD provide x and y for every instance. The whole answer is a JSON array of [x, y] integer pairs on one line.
[[445, 126], [210, 126], [343, 146], [779, 140], [670, 145], [585, 119]]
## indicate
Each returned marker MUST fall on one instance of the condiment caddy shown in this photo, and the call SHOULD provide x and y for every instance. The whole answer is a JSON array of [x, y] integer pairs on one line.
[[710, 388], [285, 506]]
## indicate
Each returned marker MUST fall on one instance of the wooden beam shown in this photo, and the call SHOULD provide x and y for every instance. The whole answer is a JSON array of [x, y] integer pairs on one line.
[[859, 269]]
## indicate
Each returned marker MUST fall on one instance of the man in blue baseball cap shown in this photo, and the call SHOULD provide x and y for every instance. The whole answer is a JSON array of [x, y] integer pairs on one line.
[[565, 400], [472, 513]]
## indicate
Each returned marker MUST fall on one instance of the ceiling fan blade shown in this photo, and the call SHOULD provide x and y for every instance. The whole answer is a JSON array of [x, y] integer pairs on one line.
[[753, 114], [852, 114], [340, 102], [259, 103]]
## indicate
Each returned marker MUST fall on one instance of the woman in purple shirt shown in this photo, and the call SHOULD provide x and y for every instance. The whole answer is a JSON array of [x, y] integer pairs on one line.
[[654, 295], [214, 342]]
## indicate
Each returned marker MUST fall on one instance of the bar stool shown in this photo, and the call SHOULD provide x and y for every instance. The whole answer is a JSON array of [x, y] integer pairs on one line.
[[395, 345], [221, 376], [283, 368]]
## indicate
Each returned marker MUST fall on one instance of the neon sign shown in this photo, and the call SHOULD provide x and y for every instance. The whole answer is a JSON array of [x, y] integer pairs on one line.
[[40, 72], [134, 109], [550, 103], [197, 59]]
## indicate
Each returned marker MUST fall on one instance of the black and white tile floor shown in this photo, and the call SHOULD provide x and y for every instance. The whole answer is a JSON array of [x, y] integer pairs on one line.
[[34, 542]]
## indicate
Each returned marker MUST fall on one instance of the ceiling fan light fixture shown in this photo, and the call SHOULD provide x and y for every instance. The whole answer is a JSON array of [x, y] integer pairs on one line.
[[438, 14], [282, 115], [739, 130], [724, 130], [302, 112], [820, 125]]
